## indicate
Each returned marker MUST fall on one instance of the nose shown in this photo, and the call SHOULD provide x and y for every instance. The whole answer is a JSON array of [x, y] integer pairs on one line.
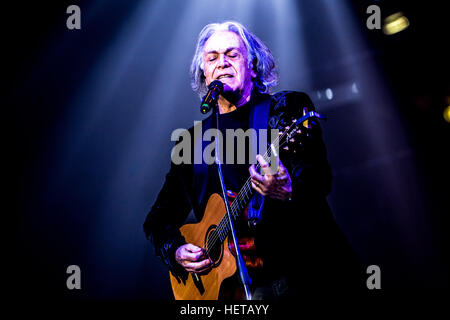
[[223, 61]]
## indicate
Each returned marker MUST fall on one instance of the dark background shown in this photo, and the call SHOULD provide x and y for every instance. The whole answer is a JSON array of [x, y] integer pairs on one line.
[[90, 112]]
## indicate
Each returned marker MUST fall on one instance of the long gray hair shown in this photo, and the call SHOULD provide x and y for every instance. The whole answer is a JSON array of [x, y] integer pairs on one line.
[[259, 57]]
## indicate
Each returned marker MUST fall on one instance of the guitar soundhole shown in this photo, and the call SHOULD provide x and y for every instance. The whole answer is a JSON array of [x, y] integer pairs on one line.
[[213, 245]]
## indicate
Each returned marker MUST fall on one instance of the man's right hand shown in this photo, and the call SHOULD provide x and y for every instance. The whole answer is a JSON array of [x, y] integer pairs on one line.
[[193, 258]]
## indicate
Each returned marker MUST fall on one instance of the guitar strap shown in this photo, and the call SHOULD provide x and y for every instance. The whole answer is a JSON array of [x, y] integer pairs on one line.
[[259, 116]]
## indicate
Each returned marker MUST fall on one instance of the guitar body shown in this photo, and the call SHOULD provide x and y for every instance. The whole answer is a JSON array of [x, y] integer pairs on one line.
[[208, 286]]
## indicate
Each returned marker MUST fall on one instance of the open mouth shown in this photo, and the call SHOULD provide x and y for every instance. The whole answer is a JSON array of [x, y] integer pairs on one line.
[[224, 76]]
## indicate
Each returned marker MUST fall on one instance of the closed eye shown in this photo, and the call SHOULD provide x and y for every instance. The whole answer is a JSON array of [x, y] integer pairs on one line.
[[232, 54]]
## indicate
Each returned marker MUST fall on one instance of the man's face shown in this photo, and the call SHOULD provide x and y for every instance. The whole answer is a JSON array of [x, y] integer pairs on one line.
[[225, 59]]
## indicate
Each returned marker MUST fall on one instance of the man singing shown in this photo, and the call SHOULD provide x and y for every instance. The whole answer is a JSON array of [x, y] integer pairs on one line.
[[288, 237]]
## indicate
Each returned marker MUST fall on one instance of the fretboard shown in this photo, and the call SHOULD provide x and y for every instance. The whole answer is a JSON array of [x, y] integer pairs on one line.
[[247, 192], [240, 202]]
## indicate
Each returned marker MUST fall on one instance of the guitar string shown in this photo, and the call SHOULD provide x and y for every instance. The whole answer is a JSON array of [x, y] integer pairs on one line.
[[266, 157], [222, 228], [246, 190], [220, 232]]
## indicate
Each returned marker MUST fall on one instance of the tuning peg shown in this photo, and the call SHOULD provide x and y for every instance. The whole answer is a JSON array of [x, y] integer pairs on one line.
[[292, 140], [299, 131], [286, 148], [280, 133], [294, 120]]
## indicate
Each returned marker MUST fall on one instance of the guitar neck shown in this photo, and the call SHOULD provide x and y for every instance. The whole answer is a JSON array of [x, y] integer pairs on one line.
[[247, 192], [239, 203], [237, 206], [242, 199]]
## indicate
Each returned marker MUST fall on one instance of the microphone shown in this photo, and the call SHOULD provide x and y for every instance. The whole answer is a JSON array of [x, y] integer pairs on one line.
[[210, 99]]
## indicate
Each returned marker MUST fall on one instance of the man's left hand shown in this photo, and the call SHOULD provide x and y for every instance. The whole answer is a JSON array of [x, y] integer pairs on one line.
[[276, 185]]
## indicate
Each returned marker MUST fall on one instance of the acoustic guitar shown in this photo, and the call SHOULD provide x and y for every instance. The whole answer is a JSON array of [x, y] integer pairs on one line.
[[211, 233]]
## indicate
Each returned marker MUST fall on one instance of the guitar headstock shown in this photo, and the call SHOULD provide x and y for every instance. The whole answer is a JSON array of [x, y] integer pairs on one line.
[[295, 131]]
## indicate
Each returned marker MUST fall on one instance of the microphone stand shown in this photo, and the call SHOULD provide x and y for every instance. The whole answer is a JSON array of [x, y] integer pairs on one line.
[[243, 274]]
